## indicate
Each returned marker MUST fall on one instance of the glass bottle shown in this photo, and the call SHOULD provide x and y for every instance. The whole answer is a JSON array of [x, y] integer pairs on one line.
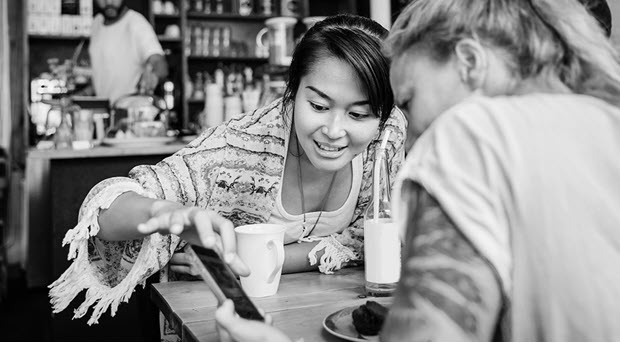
[[267, 9], [206, 40], [63, 139], [219, 6], [197, 41], [198, 6], [225, 43], [199, 87], [207, 7], [215, 42], [245, 7], [381, 240]]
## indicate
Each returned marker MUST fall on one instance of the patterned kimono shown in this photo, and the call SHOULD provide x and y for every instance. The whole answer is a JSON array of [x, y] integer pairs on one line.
[[235, 169]]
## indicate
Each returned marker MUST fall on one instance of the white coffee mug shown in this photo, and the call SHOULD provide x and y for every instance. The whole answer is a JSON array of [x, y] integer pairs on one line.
[[261, 248]]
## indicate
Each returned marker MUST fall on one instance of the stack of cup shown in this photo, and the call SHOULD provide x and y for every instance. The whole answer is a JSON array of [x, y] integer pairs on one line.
[[232, 106], [214, 105]]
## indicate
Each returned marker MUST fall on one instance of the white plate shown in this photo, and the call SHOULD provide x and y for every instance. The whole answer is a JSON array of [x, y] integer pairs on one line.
[[340, 324], [137, 142]]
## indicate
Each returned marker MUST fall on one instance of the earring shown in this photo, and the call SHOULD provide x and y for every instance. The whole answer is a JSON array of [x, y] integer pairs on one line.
[[464, 76]]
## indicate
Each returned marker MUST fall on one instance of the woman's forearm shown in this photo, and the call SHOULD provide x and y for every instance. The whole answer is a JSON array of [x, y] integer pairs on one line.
[[296, 257], [120, 221]]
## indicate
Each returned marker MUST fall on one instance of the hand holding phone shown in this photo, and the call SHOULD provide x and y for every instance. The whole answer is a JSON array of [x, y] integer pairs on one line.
[[222, 281]]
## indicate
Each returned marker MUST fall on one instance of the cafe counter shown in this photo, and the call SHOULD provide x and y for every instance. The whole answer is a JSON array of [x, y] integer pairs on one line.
[[56, 182]]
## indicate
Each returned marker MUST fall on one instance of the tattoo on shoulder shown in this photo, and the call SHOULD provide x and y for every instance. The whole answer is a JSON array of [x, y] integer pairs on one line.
[[448, 291]]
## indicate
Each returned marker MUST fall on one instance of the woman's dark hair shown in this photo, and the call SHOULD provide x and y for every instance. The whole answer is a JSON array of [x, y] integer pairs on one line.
[[355, 40]]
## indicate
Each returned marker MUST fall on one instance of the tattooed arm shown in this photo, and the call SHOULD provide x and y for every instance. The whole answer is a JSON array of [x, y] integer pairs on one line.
[[447, 291]]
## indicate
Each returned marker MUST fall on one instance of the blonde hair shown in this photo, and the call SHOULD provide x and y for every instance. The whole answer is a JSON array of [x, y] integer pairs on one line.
[[535, 37]]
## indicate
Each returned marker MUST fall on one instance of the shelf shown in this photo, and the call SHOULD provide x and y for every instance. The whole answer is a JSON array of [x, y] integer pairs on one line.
[[228, 59], [56, 37], [227, 16], [166, 39], [167, 16]]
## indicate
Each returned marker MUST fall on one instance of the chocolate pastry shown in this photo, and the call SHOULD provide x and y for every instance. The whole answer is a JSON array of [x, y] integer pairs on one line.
[[368, 319]]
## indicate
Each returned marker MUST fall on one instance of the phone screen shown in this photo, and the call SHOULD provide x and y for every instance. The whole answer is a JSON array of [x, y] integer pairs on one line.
[[225, 281]]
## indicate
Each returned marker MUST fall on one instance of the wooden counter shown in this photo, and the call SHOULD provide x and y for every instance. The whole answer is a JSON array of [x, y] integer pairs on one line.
[[104, 151], [298, 309]]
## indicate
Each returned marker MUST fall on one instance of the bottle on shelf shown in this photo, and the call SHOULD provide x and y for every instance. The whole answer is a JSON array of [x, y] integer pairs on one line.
[[189, 87], [219, 6], [207, 7], [198, 6], [225, 46], [197, 40], [381, 239], [63, 138], [206, 37], [245, 7], [158, 6], [219, 76], [250, 96], [266, 7], [199, 88], [215, 42], [213, 113], [169, 94], [169, 100]]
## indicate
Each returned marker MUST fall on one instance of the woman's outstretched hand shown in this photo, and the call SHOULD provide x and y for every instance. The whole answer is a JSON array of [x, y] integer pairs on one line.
[[196, 226], [231, 327]]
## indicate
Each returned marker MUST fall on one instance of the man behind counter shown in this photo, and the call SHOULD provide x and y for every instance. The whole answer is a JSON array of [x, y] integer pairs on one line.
[[124, 52]]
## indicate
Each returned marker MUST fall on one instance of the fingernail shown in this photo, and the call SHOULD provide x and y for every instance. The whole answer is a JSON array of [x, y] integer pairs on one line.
[[209, 241], [176, 229], [229, 257]]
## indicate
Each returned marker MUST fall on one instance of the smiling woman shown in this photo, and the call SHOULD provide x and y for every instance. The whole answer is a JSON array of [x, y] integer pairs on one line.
[[303, 161]]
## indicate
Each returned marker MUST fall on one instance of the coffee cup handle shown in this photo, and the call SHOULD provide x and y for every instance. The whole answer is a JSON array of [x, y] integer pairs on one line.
[[279, 256], [259, 37]]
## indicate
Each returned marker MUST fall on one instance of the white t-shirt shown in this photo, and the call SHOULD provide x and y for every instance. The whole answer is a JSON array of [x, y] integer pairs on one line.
[[118, 53], [534, 183], [330, 222]]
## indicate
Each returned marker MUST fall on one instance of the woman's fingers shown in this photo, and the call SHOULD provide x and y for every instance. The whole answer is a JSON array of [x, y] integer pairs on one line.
[[226, 230], [155, 224], [180, 258], [244, 330], [182, 269], [177, 222], [223, 317], [202, 221], [197, 225]]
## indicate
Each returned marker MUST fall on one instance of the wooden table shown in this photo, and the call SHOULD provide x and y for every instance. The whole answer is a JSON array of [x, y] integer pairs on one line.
[[302, 302]]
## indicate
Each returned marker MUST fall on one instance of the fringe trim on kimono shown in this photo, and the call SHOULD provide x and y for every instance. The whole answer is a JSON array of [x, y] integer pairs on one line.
[[81, 275], [334, 256]]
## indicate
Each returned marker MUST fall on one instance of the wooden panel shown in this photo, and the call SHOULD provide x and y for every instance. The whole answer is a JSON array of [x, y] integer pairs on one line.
[[38, 233], [69, 185], [18, 79]]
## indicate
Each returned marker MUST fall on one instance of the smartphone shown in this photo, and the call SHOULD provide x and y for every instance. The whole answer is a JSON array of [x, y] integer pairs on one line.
[[222, 281]]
